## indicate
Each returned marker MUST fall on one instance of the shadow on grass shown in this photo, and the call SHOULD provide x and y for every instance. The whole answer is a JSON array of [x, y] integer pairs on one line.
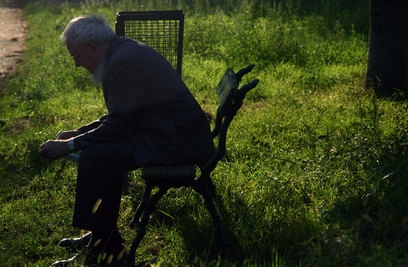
[[375, 216]]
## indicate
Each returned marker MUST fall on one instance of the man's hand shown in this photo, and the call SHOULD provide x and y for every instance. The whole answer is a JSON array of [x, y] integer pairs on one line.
[[67, 134], [54, 149]]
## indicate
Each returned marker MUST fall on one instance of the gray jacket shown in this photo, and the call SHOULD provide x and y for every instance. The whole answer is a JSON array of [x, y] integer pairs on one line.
[[149, 103]]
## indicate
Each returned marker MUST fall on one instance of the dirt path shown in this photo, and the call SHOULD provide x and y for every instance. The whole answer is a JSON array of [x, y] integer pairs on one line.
[[13, 30], [12, 38]]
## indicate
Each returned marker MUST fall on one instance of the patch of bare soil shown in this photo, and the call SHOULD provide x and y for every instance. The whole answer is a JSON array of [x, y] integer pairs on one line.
[[13, 30], [12, 38]]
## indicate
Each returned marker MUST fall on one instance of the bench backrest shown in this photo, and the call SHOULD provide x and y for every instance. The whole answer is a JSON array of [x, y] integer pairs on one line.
[[161, 30], [230, 100]]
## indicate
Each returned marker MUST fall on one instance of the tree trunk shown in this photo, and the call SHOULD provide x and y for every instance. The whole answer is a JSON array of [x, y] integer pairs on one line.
[[387, 71]]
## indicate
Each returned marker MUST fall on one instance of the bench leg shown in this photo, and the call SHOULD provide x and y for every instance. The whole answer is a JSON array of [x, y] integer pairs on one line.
[[148, 210], [207, 190]]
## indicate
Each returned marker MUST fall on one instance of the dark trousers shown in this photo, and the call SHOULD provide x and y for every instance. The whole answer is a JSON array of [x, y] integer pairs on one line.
[[101, 172]]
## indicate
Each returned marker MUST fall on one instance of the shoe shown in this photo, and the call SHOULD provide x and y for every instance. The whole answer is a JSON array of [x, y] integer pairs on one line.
[[74, 261], [99, 253], [93, 257], [76, 243]]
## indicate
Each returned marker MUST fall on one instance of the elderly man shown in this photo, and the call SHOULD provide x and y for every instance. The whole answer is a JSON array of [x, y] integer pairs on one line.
[[152, 119]]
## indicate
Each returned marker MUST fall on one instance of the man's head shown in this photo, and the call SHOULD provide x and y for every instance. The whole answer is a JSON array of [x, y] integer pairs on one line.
[[87, 39]]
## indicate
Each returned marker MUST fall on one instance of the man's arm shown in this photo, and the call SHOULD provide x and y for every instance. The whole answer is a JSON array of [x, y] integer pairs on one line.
[[92, 125], [64, 135], [114, 125], [64, 143], [125, 84]]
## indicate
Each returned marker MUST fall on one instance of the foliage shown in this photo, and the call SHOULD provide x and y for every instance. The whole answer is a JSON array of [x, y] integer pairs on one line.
[[315, 172]]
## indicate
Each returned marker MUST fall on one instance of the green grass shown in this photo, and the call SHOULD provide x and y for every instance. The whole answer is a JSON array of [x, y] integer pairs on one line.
[[316, 168]]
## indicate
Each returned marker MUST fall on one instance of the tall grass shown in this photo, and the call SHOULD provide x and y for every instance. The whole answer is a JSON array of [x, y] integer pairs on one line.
[[315, 172]]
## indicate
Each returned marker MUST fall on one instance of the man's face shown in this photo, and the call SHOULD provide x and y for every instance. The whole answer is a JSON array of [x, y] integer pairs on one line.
[[84, 55]]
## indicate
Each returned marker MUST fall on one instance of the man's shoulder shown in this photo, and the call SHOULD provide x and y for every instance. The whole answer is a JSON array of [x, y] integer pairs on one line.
[[128, 51], [123, 45]]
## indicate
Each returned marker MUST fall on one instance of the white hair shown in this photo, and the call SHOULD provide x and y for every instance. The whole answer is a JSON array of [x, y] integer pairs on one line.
[[85, 29]]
